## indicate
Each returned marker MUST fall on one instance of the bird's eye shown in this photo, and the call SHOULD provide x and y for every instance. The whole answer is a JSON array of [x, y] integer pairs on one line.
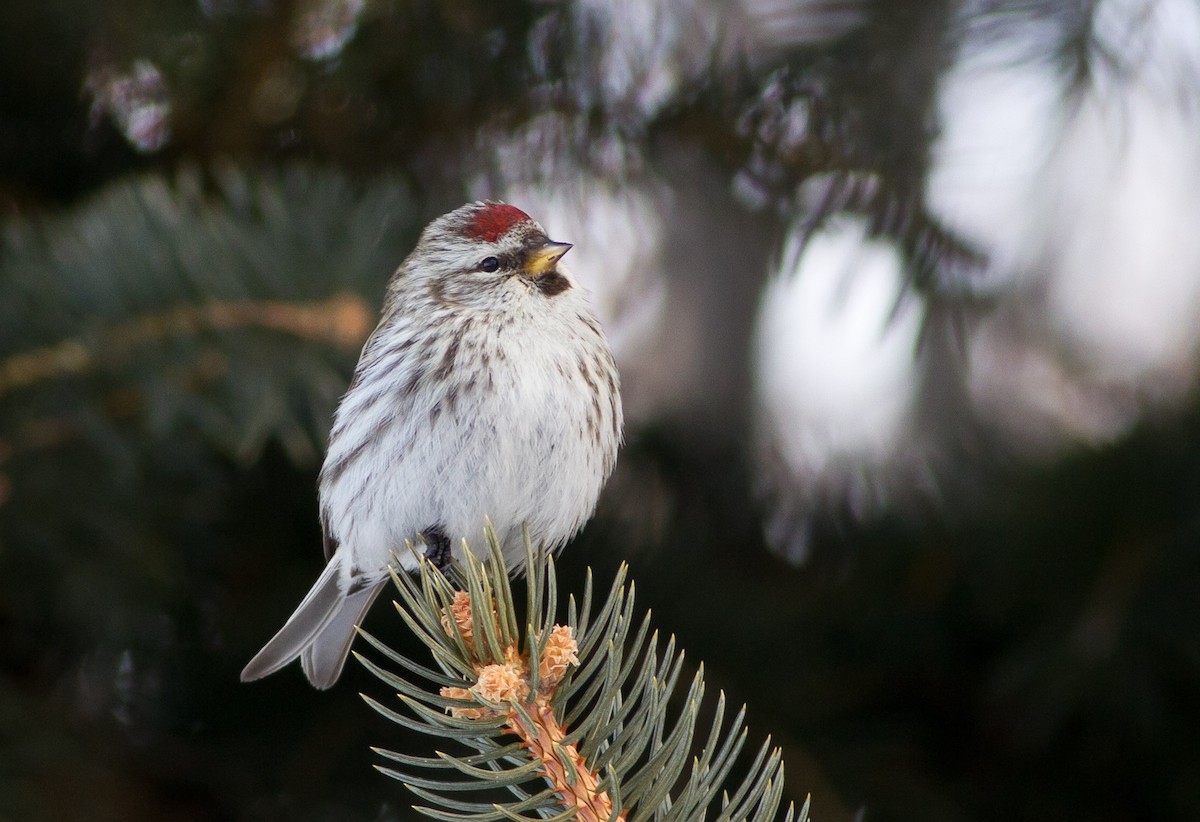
[[489, 264]]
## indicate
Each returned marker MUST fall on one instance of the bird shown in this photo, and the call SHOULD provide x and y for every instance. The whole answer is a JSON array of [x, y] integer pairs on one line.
[[487, 393]]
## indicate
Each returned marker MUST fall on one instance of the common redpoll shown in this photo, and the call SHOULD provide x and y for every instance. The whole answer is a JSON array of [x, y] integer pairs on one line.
[[488, 390]]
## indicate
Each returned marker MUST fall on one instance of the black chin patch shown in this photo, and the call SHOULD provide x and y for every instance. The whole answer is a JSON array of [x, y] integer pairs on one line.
[[552, 283]]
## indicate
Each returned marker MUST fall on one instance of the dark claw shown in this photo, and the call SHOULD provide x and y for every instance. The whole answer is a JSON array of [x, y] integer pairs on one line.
[[437, 548]]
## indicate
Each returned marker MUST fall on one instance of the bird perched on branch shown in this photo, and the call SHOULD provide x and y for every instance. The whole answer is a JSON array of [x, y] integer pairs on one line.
[[487, 390]]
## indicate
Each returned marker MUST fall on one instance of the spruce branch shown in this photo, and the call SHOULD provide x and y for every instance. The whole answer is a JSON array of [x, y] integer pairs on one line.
[[227, 303], [589, 702], [343, 320]]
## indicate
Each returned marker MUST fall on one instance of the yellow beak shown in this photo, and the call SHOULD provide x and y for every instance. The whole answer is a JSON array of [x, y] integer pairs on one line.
[[543, 259]]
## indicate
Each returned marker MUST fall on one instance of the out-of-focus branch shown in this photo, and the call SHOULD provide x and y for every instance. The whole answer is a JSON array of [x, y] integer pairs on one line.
[[343, 320]]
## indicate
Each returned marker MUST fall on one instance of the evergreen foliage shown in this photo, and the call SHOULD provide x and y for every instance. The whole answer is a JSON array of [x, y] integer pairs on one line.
[[225, 304], [153, 337], [602, 741]]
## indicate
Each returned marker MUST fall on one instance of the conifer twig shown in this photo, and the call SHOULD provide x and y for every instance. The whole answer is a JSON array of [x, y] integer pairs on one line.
[[589, 703], [534, 721], [343, 319]]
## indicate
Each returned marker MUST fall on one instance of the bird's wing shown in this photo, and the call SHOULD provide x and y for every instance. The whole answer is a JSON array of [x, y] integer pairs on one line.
[[327, 539]]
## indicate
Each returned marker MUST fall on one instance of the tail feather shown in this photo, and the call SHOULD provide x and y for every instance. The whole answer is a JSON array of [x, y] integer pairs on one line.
[[320, 631], [324, 657]]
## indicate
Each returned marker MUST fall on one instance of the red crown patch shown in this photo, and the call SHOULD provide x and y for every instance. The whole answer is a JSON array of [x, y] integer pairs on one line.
[[494, 219]]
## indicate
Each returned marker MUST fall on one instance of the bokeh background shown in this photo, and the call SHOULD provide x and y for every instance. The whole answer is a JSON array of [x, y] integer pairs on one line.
[[905, 297]]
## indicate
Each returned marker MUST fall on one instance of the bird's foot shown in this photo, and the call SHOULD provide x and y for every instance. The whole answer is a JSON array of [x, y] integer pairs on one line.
[[437, 548]]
